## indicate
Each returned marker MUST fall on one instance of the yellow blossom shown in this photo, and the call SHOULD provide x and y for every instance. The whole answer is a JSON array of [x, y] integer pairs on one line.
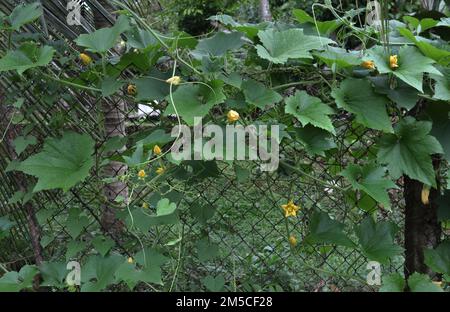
[[232, 116], [393, 61], [130, 260], [368, 64], [293, 240], [131, 89], [157, 150], [141, 174], [145, 205], [290, 209], [425, 194], [160, 170], [85, 59], [175, 80]]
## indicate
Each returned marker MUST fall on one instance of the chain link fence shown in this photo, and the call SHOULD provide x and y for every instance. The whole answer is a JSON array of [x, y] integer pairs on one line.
[[235, 214]]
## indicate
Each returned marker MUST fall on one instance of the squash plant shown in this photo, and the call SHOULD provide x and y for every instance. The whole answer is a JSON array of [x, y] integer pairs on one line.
[[399, 91]]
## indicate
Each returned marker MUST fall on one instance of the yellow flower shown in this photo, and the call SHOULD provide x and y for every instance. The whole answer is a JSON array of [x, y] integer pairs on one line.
[[232, 116], [174, 80], [145, 205], [425, 195], [368, 64], [393, 61], [131, 89], [293, 240], [160, 170], [130, 260], [141, 174], [157, 150], [290, 209], [85, 59]]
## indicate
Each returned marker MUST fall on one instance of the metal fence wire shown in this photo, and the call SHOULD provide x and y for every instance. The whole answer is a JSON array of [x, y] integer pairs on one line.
[[236, 216]]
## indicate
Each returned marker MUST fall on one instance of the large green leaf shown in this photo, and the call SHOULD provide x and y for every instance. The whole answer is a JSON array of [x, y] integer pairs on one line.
[[338, 57], [358, 97], [323, 229], [62, 163], [24, 14], [411, 65], [438, 259], [15, 281], [442, 86], [370, 179], [219, 44], [153, 87], [214, 283], [377, 239], [408, 151], [324, 28], [421, 283], [402, 94], [258, 94], [315, 140], [393, 283], [101, 40], [309, 110], [279, 46], [29, 55], [195, 100], [426, 47], [98, 272], [165, 207], [439, 113]]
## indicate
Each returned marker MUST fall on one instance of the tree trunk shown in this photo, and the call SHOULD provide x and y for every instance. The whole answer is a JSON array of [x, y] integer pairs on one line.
[[114, 110], [422, 229], [264, 11]]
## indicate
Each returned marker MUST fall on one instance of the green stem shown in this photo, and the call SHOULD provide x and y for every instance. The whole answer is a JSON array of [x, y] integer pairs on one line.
[[72, 84], [313, 177]]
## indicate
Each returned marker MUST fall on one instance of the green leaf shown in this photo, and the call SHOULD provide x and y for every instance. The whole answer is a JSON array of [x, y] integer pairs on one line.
[[110, 86], [323, 229], [149, 89], [315, 140], [440, 115], [411, 65], [280, 46], [15, 281], [422, 283], [309, 110], [24, 14], [258, 94], [76, 222], [194, 100], [98, 272], [426, 47], [202, 213], [73, 248], [100, 41], [29, 55], [206, 250], [438, 259], [140, 39], [370, 179], [53, 274], [102, 244], [338, 57], [368, 106], [62, 163], [165, 207], [393, 283], [214, 284], [324, 28], [21, 143], [408, 151], [377, 239], [403, 95], [219, 44], [442, 86]]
